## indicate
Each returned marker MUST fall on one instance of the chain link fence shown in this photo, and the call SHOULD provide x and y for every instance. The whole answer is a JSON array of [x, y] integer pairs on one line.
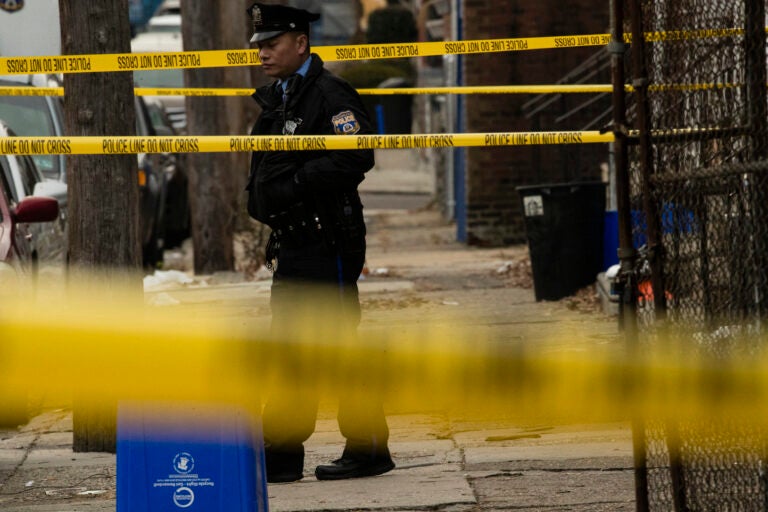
[[698, 207]]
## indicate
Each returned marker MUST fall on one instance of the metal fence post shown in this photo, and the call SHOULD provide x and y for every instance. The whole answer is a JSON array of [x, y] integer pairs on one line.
[[626, 285]]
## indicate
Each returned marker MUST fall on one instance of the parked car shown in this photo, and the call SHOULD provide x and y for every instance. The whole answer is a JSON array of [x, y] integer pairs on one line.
[[17, 249], [43, 116], [176, 216], [48, 241], [39, 116], [168, 7], [18, 265], [165, 23], [167, 115], [175, 106]]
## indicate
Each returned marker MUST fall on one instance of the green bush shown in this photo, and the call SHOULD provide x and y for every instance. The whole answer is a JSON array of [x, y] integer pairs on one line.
[[394, 24], [391, 25]]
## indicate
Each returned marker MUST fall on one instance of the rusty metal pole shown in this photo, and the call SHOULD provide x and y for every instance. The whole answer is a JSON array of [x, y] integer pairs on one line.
[[626, 282], [756, 73], [754, 39], [640, 84]]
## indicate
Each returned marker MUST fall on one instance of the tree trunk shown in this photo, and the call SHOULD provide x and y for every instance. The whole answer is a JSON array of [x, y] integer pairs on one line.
[[103, 190], [211, 176]]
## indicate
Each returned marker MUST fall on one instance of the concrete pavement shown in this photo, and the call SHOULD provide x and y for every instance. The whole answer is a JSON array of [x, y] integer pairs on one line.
[[444, 462], [441, 466]]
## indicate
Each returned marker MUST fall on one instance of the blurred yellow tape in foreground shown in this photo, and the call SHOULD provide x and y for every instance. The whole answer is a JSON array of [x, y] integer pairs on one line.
[[223, 143], [481, 89], [103, 350]]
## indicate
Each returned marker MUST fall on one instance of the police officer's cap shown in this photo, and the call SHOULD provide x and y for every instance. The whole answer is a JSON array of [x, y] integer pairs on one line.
[[272, 20]]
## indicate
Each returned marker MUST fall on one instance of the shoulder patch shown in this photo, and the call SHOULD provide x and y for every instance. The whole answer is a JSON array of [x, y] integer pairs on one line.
[[11, 5], [345, 123]]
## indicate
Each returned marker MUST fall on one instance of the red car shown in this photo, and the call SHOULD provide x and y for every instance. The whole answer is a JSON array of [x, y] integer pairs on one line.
[[16, 257], [17, 263]]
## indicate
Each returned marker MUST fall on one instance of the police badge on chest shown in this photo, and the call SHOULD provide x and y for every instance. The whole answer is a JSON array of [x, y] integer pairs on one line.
[[290, 126]]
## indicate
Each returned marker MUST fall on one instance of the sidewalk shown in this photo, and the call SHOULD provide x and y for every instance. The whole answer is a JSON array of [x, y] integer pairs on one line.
[[399, 171], [415, 271]]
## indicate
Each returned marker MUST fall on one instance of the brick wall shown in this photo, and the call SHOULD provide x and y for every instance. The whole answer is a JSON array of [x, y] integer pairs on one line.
[[494, 215]]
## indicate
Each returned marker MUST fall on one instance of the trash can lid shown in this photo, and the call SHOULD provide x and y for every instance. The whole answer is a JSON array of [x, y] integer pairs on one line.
[[395, 81]]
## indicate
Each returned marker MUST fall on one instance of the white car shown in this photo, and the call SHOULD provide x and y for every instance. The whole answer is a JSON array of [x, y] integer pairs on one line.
[[42, 116], [39, 116], [48, 241], [165, 23], [175, 106], [168, 7]]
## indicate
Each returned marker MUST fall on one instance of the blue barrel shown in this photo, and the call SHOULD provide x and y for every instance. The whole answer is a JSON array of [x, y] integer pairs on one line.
[[611, 239], [189, 457]]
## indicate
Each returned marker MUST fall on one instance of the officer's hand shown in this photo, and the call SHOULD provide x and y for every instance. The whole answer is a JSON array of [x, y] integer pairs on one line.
[[282, 159]]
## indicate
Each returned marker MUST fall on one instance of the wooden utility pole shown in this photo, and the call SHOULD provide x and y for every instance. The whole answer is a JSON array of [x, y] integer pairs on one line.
[[103, 189]]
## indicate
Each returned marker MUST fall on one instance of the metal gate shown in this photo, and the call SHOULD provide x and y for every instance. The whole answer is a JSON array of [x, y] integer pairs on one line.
[[692, 187]]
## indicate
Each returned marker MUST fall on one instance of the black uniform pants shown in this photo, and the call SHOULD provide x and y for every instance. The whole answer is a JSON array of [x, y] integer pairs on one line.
[[315, 304]]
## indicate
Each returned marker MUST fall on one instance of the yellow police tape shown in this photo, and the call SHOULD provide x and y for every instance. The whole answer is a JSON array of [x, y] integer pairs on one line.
[[211, 91], [138, 91], [103, 346], [250, 57], [222, 143], [540, 89], [481, 89]]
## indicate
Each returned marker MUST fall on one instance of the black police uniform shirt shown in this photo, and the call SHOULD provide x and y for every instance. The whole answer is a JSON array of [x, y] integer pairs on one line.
[[319, 103]]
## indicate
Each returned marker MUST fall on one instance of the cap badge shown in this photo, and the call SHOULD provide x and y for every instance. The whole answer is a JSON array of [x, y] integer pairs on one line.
[[256, 15]]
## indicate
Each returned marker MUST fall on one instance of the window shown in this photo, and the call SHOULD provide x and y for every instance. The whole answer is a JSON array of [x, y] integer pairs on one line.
[[159, 78], [5, 179], [31, 117], [30, 176]]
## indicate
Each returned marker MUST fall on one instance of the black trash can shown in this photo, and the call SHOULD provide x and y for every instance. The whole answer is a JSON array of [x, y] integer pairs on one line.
[[564, 225]]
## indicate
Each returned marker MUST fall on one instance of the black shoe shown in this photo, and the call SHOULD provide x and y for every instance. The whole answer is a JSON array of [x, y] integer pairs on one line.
[[279, 477], [352, 467], [284, 465]]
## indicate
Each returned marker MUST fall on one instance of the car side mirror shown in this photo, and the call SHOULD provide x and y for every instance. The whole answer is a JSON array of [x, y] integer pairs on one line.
[[36, 209]]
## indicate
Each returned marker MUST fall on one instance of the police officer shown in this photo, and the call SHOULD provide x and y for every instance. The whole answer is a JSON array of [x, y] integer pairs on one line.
[[309, 198]]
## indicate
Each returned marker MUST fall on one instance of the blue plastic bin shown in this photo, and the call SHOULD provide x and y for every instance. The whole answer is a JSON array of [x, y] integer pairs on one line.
[[611, 239], [675, 219], [189, 457]]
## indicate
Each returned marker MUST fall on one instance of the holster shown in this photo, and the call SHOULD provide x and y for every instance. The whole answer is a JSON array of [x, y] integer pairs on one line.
[[348, 224], [297, 226]]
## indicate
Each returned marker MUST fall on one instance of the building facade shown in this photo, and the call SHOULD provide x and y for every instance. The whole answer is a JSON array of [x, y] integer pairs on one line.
[[493, 208]]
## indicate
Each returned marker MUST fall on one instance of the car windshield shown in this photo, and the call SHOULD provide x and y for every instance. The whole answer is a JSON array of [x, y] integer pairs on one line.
[[158, 120], [159, 78], [160, 27], [30, 117]]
